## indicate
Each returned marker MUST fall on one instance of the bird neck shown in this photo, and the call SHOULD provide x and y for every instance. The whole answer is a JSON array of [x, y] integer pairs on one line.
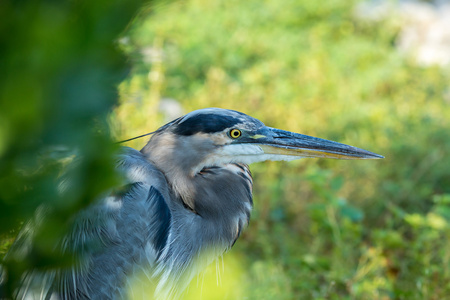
[[215, 201], [222, 203], [221, 193]]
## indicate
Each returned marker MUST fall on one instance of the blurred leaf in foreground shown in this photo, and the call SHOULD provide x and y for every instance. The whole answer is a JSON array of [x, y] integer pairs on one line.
[[60, 67]]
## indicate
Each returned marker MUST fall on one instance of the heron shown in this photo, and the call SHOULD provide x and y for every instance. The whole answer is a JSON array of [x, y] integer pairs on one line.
[[186, 199]]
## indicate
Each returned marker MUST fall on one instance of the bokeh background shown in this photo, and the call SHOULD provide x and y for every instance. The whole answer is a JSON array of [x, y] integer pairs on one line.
[[370, 74]]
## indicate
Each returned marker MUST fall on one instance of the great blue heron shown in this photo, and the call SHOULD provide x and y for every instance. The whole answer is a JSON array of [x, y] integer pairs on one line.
[[187, 199]]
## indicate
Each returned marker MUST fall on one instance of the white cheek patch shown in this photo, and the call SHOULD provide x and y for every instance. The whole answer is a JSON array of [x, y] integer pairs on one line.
[[263, 157], [240, 150], [242, 153]]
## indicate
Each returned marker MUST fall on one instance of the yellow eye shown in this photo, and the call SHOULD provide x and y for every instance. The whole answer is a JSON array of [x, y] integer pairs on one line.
[[235, 133]]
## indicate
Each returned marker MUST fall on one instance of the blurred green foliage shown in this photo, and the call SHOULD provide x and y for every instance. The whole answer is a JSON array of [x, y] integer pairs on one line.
[[321, 229], [60, 67]]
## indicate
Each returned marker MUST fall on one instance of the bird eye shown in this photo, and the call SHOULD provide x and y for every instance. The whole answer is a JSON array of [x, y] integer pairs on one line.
[[235, 133]]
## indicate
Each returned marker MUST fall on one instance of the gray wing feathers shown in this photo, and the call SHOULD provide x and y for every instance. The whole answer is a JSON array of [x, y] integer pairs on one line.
[[113, 236]]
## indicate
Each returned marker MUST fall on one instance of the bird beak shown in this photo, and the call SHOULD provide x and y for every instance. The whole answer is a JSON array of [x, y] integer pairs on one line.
[[279, 142]]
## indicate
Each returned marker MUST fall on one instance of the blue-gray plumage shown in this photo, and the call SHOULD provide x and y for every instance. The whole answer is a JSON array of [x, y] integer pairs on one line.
[[186, 199]]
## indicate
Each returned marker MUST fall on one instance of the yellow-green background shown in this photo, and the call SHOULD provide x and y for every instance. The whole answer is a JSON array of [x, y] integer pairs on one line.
[[320, 229]]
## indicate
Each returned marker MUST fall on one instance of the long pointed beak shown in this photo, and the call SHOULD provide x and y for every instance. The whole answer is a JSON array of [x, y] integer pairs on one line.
[[280, 142]]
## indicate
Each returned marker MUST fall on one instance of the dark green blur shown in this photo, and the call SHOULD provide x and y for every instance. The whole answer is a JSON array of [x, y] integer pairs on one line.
[[60, 65]]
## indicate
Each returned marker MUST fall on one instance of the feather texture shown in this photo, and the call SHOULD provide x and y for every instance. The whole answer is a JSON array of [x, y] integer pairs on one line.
[[146, 227]]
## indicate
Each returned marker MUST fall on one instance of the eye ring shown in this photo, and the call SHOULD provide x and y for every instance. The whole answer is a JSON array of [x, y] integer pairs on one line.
[[235, 133]]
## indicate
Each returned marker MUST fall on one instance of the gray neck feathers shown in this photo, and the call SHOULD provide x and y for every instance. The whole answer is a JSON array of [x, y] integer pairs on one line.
[[222, 211], [209, 210]]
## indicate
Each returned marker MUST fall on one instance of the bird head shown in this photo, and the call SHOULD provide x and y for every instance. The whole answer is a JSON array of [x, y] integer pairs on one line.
[[214, 136]]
